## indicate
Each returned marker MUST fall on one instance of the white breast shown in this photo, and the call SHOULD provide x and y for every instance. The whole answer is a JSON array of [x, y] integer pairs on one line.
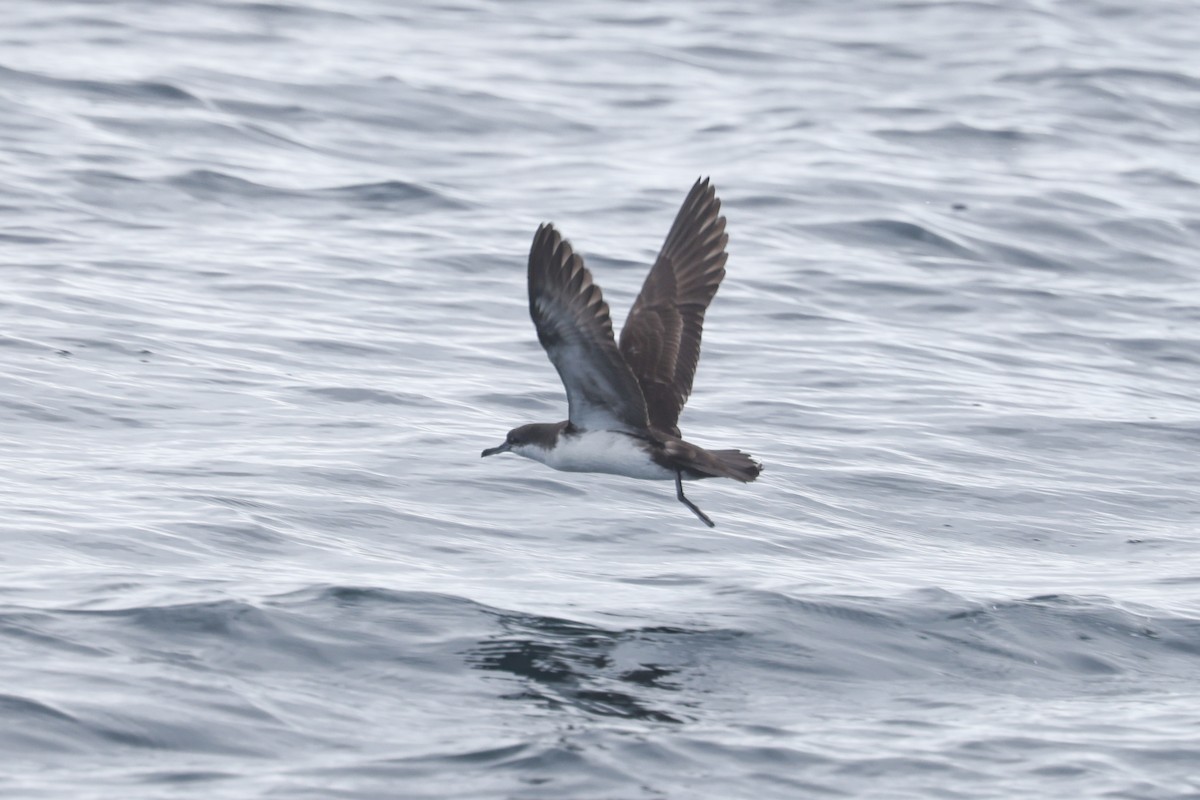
[[599, 451]]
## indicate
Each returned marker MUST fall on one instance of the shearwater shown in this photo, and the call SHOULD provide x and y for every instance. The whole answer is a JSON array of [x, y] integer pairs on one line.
[[623, 401]]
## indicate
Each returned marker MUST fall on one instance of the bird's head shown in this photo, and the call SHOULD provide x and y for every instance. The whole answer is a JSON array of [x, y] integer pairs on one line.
[[527, 440]]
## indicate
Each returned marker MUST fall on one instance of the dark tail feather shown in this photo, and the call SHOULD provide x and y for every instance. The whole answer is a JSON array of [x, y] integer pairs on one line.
[[701, 463], [737, 465]]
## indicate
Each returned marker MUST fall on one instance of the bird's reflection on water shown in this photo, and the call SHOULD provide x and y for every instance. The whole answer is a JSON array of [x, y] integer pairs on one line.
[[565, 664]]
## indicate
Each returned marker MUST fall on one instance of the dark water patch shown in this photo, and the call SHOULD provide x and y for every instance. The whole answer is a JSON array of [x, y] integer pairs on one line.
[[543, 487], [387, 195], [942, 308], [889, 51], [240, 503], [890, 232], [1075, 636], [1010, 254], [1179, 351], [106, 419], [175, 778], [352, 394], [31, 632], [358, 596], [365, 605], [739, 55], [634, 18], [1152, 232], [342, 347], [24, 707], [220, 619], [150, 92], [481, 267], [114, 192], [224, 188], [893, 289], [35, 412], [355, 478], [491, 755], [483, 118], [141, 90], [896, 485], [1021, 644], [1159, 176], [1042, 225], [1185, 431], [302, 633], [1081, 199], [244, 537], [68, 18], [962, 138], [659, 101], [288, 12], [210, 184], [357, 283], [32, 727], [798, 316], [26, 238], [163, 713], [1127, 77], [290, 113]]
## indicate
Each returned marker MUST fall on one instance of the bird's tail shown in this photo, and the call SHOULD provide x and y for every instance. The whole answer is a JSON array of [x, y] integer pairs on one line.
[[703, 463], [737, 465]]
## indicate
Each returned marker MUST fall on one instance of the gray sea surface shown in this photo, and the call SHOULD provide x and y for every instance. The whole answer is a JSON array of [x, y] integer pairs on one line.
[[263, 304]]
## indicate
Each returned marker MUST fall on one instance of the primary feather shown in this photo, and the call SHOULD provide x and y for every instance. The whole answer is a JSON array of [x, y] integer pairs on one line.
[[661, 338]]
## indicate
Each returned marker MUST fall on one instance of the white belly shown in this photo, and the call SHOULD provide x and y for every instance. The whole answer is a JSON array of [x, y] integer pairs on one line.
[[602, 451]]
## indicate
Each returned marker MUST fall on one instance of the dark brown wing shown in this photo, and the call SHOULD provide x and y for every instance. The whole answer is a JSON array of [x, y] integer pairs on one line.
[[661, 338], [575, 329]]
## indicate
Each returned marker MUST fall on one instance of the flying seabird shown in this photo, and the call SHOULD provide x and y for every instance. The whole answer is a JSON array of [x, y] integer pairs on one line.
[[624, 400]]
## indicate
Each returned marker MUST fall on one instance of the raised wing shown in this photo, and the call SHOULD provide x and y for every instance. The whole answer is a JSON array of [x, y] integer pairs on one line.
[[661, 337], [575, 329]]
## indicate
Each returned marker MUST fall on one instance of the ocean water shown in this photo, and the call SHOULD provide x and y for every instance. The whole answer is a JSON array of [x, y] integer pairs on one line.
[[263, 305]]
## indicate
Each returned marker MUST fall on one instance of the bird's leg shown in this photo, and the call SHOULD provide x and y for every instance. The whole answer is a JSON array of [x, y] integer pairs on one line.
[[679, 494]]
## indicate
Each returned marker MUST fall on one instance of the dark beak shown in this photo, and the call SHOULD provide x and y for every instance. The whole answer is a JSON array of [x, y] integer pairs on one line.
[[491, 451]]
